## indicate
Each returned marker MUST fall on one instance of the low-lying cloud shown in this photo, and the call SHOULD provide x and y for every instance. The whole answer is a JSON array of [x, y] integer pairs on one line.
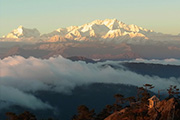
[[170, 61], [20, 78], [12, 96]]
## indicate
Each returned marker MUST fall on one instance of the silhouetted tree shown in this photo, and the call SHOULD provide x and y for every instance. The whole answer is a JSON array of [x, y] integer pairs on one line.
[[131, 99], [119, 101], [119, 98], [148, 86], [109, 108], [84, 113], [173, 91], [104, 113], [23, 116], [143, 94], [11, 116]]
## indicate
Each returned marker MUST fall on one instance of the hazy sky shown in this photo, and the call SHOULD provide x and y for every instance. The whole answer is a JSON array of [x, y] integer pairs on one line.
[[48, 15]]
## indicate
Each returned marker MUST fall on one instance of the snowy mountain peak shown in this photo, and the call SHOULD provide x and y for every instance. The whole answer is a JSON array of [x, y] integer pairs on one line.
[[112, 23], [22, 32], [20, 27]]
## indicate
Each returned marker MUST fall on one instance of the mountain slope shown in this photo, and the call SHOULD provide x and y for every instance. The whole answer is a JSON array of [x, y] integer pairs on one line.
[[25, 52]]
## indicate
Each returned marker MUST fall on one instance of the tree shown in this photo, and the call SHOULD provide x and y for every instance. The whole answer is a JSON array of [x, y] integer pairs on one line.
[[84, 113], [173, 91], [23, 116], [143, 94], [11, 116], [131, 99], [119, 98], [104, 113], [148, 86], [119, 101], [109, 108]]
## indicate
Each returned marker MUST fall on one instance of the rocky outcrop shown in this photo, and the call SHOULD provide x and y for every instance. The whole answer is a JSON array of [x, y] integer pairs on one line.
[[164, 110]]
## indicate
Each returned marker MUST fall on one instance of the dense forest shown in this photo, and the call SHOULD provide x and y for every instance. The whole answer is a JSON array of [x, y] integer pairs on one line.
[[125, 108]]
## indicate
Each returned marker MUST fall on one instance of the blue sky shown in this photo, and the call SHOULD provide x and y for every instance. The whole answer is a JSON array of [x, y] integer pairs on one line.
[[48, 15]]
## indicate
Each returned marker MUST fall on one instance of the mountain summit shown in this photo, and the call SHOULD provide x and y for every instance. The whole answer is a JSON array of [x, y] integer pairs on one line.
[[23, 32]]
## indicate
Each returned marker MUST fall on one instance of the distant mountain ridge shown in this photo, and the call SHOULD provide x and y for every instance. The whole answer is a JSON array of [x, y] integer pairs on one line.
[[108, 30]]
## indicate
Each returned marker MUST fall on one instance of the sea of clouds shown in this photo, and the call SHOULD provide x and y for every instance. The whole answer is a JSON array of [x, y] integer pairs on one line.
[[20, 78]]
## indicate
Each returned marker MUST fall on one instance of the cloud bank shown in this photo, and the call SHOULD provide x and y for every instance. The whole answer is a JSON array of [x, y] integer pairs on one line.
[[20, 78], [170, 61]]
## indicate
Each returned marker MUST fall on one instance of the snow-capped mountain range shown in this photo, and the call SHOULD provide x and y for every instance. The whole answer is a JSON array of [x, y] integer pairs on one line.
[[108, 29], [100, 39]]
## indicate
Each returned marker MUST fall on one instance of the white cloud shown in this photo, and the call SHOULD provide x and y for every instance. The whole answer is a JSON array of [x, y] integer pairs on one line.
[[21, 77], [12, 96]]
